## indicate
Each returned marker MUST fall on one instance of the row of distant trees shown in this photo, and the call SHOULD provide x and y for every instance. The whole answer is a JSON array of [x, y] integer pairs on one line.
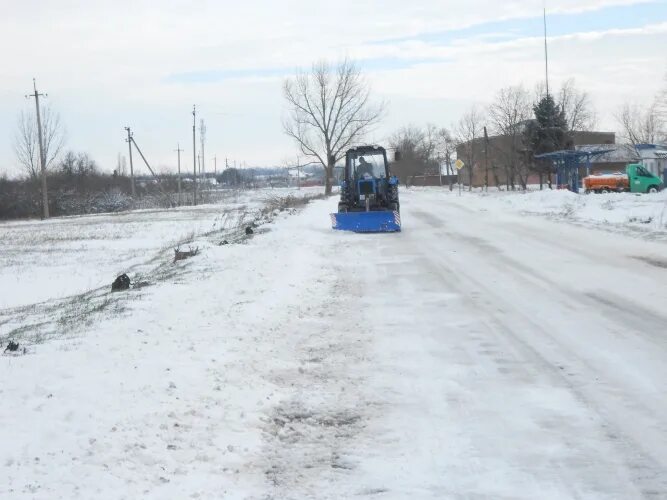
[[531, 123], [76, 183], [330, 110]]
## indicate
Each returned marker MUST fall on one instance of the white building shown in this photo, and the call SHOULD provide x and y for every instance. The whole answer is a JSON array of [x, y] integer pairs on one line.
[[654, 158]]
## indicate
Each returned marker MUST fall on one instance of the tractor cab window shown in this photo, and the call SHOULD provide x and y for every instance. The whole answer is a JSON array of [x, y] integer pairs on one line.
[[368, 165]]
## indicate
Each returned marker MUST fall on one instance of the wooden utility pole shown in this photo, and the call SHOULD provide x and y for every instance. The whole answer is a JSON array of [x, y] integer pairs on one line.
[[194, 152], [179, 150], [129, 145], [42, 156]]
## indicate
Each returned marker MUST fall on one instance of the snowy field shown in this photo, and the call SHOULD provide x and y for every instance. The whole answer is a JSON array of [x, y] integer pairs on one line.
[[69, 255], [484, 352]]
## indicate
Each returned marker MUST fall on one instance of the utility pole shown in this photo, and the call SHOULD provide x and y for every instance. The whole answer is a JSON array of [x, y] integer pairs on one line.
[[215, 165], [194, 152], [440, 172], [202, 140], [179, 150], [42, 156], [486, 160], [129, 145]]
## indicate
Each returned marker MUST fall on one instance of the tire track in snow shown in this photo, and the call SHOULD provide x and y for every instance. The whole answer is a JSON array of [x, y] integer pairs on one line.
[[644, 463]]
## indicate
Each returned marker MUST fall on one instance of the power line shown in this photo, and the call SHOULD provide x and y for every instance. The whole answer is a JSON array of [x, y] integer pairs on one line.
[[155, 176]]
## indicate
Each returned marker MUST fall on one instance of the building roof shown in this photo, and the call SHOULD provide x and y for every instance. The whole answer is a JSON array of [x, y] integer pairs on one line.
[[652, 151], [595, 151], [612, 154]]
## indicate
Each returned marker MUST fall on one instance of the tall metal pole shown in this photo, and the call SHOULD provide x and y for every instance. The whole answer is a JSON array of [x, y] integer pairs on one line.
[[129, 145], [42, 156], [194, 152], [179, 150], [546, 53]]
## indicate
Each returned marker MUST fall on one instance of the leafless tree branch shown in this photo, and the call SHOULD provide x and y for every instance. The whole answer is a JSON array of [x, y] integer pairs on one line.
[[329, 110], [26, 142]]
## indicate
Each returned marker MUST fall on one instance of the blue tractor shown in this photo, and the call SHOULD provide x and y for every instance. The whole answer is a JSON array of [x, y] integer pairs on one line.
[[368, 194]]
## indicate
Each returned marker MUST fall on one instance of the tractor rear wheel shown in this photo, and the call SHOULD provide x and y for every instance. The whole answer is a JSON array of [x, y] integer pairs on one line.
[[342, 208]]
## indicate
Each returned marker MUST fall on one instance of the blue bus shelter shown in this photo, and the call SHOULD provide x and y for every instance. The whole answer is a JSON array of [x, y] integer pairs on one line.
[[569, 162]]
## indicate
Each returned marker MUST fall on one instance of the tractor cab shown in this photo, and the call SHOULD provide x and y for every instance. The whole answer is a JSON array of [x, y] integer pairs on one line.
[[368, 184]]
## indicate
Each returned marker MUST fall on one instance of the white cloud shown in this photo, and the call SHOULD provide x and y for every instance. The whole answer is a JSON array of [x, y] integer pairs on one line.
[[105, 64]]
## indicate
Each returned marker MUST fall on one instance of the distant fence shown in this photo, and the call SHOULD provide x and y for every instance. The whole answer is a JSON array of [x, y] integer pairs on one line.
[[432, 180]]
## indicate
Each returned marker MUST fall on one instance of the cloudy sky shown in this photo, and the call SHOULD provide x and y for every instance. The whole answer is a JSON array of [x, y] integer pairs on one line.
[[108, 64]]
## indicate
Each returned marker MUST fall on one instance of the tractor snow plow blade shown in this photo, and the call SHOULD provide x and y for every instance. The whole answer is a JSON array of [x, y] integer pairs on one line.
[[367, 222]]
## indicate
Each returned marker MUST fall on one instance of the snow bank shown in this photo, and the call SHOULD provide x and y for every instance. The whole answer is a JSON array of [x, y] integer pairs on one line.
[[639, 211], [627, 212]]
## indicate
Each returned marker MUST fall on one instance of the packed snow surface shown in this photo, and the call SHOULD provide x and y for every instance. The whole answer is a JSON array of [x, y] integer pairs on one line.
[[483, 352]]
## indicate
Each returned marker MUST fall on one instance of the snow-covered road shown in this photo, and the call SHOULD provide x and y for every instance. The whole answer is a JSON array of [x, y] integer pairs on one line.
[[476, 354], [521, 358]]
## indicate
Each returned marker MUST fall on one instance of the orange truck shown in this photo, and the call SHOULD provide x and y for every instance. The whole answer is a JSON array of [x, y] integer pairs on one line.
[[636, 180]]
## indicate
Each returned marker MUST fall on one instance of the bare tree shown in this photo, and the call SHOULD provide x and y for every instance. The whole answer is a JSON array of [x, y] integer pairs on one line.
[[26, 142], [468, 131], [509, 114], [641, 125], [577, 106], [417, 146], [329, 111], [445, 150], [662, 103]]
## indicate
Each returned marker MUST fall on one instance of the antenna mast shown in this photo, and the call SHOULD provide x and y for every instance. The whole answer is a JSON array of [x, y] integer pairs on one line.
[[546, 52]]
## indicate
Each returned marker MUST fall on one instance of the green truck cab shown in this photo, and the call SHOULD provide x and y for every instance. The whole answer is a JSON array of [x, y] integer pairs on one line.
[[636, 180], [641, 180]]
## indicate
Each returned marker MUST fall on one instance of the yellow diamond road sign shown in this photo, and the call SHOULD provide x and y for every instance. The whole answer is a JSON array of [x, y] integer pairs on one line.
[[459, 164]]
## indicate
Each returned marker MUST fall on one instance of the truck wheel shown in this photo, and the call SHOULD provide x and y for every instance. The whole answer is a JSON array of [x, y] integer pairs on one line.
[[604, 190], [652, 189], [588, 191]]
